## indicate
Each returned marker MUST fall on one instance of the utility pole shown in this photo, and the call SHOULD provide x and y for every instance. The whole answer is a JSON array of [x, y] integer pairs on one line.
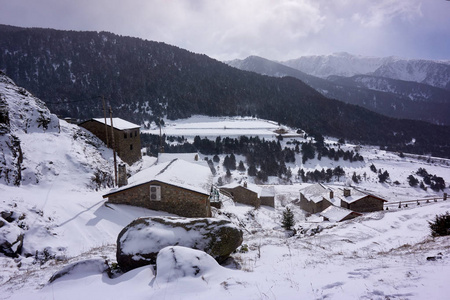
[[113, 147], [161, 146], [106, 125]]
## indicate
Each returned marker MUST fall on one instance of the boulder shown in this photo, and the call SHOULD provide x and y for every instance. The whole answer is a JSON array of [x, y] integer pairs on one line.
[[176, 262], [82, 269], [11, 239], [139, 243]]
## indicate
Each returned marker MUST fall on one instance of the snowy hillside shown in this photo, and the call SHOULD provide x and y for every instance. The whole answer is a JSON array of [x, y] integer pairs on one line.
[[57, 216], [35, 145], [406, 89], [434, 73]]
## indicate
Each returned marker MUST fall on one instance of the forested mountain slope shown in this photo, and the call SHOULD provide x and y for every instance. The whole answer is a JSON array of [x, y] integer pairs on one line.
[[144, 80]]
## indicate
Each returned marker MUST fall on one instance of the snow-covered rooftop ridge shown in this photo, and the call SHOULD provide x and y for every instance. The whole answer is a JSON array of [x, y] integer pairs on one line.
[[335, 213], [189, 157], [177, 172], [118, 123], [318, 192], [261, 191], [249, 186]]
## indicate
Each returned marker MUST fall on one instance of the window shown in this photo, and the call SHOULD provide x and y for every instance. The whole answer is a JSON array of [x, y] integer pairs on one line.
[[135, 133], [155, 193], [131, 135], [125, 135], [131, 147]]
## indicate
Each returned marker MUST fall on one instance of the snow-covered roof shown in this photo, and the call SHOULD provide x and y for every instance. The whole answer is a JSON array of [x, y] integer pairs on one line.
[[268, 191], [336, 214], [355, 195], [118, 123], [193, 157], [177, 172], [261, 191], [251, 187], [316, 192]]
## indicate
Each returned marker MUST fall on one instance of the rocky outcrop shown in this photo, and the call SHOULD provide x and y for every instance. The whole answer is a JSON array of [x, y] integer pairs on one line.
[[20, 113], [11, 236], [139, 243]]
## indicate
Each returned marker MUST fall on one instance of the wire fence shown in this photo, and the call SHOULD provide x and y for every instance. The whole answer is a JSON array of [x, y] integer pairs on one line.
[[412, 203]]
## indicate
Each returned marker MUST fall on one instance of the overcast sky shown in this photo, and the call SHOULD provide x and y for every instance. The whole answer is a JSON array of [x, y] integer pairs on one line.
[[274, 29]]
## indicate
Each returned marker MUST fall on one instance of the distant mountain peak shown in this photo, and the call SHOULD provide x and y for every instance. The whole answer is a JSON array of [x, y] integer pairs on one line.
[[432, 72]]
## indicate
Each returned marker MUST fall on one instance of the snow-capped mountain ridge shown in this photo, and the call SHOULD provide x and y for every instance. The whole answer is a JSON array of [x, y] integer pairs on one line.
[[432, 72], [391, 97], [407, 89], [341, 64]]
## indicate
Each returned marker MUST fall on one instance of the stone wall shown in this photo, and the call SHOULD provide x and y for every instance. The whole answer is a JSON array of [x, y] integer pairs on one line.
[[366, 204], [174, 199], [127, 142], [244, 196], [268, 201], [313, 207]]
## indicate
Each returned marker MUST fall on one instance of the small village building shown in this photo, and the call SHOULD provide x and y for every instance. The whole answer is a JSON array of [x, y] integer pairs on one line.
[[127, 139], [177, 187], [250, 194], [338, 214], [358, 201], [317, 197]]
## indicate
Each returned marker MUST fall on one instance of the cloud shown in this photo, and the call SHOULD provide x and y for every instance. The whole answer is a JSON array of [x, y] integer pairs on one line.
[[275, 29], [379, 13]]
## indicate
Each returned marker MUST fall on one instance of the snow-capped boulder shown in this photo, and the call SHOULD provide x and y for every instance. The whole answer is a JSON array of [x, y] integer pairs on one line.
[[175, 262], [139, 243], [11, 236], [82, 269]]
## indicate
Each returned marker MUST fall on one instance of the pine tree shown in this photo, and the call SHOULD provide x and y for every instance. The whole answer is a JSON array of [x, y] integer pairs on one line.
[[288, 219]]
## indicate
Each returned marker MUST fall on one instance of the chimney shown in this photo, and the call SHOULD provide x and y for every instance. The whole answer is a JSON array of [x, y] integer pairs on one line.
[[245, 184], [331, 194], [123, 179], [347, 193]]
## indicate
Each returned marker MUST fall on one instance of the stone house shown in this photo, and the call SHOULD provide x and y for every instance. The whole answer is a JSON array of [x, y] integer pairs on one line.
[[250, 194], [127, 139], [315, 198], [318, 197], [177, 187], [359, 201]]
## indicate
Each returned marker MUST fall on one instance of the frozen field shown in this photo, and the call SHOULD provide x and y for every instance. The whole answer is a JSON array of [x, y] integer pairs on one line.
[[212, 127]]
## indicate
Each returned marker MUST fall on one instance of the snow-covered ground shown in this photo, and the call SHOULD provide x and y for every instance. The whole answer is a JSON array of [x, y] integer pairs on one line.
[[378, 256], [64, 219], [212, 127]]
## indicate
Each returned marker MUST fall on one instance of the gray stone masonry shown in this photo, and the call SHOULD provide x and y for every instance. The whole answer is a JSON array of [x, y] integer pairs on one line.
[[174, 199], [127, 142], [245, 196], [366, 204]]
